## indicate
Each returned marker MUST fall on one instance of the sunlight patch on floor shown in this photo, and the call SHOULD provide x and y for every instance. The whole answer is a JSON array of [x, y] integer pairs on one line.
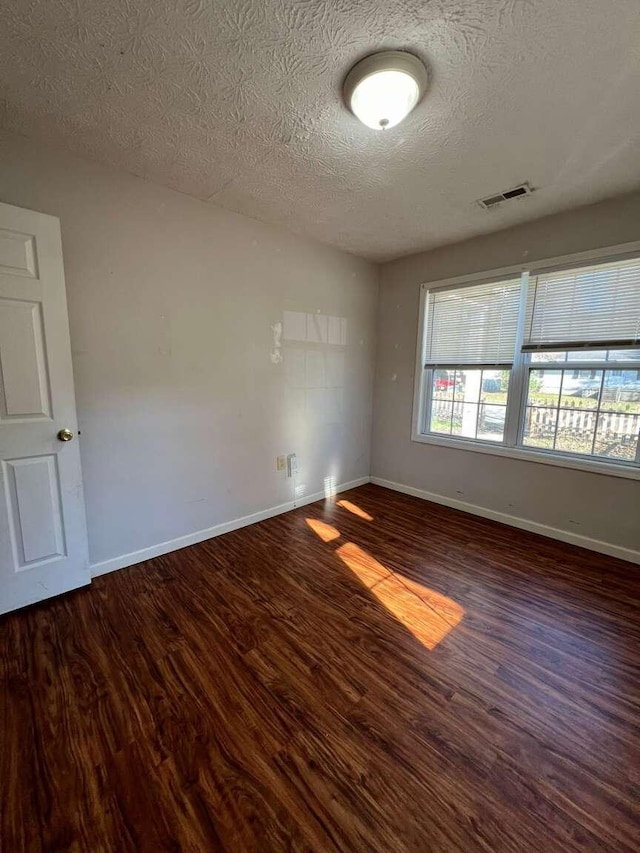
[[355, 509], [366, 568], [427, 614], [325, 531]]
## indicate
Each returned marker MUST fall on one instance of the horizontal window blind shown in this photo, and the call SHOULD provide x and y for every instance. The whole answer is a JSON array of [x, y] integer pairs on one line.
[[475, 324], [592, 306]]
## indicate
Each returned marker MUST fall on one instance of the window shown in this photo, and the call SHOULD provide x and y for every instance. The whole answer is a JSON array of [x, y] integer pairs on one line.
[[545, 363], [471, 338]]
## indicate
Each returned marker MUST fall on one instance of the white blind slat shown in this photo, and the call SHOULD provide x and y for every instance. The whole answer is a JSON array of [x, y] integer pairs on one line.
[[584, 307], [474, 324]]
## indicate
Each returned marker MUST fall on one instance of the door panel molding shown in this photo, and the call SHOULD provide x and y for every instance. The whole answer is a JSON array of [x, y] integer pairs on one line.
[[18, 255], [24, 380], [36, 526]]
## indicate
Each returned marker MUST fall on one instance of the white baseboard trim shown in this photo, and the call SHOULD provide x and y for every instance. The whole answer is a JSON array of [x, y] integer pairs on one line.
[[514, 521], [134, 557]]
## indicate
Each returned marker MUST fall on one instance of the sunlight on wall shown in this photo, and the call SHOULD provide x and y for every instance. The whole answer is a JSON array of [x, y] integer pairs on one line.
[[313, 348], [355, 509], [329, 486], [310, 351]]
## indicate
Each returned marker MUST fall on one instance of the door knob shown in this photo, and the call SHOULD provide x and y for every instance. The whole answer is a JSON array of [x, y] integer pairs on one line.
[[65, 435]]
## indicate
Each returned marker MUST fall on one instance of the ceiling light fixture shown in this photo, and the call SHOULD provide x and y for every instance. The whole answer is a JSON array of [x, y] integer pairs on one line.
[[382, 89]]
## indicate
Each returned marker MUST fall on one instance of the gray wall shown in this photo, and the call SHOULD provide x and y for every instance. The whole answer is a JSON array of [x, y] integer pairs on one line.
[[171, 306], [598, 506]]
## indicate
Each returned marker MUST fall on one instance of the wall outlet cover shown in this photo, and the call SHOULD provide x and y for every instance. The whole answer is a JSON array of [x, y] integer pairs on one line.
[[281, 463]]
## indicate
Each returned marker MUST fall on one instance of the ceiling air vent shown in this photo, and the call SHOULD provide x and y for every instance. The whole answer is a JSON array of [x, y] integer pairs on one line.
[[516, 192]]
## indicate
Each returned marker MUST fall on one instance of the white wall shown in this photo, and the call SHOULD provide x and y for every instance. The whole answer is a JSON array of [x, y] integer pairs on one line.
[[599, 507], [171, 303]]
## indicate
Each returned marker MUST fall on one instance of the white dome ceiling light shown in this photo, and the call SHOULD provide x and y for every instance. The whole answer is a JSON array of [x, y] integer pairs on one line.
[[382, 89]]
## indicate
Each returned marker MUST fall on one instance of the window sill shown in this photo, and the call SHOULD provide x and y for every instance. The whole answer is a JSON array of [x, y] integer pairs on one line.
[[594, 466]]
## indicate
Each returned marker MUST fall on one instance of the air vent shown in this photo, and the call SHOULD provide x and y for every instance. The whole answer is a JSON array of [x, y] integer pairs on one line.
[[494, 200]]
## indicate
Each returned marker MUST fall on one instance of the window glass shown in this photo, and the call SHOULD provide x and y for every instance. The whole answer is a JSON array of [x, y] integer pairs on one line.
[[469, 402], [540, 427], [586, 412]]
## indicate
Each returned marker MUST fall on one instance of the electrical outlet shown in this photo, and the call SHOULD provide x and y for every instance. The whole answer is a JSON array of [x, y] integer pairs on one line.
[[281, 463], [292, 465]]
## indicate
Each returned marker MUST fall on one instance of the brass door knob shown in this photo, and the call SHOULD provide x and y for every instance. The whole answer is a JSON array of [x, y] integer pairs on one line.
[[65, 435]]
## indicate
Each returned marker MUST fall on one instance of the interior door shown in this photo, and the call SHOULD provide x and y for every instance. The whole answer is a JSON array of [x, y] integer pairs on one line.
[[43, 537]]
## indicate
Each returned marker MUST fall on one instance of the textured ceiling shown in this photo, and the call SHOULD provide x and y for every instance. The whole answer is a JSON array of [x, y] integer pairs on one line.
[[237, 102]]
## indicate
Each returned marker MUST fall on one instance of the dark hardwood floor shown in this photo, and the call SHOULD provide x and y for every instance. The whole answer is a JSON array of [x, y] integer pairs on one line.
[[371, 673]]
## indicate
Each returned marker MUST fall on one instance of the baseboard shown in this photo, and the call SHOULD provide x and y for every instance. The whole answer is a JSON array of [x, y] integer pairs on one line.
[[514, 521], [134, 557], [303, 500]]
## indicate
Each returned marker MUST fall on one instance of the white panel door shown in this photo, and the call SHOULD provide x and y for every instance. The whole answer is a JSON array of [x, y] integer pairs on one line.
[[43, 537]]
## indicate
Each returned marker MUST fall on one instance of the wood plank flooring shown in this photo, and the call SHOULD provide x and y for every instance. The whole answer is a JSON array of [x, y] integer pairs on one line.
[[370, 673]]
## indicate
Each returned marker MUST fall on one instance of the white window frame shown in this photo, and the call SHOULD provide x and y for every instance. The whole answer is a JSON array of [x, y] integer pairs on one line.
[[514, 425]]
